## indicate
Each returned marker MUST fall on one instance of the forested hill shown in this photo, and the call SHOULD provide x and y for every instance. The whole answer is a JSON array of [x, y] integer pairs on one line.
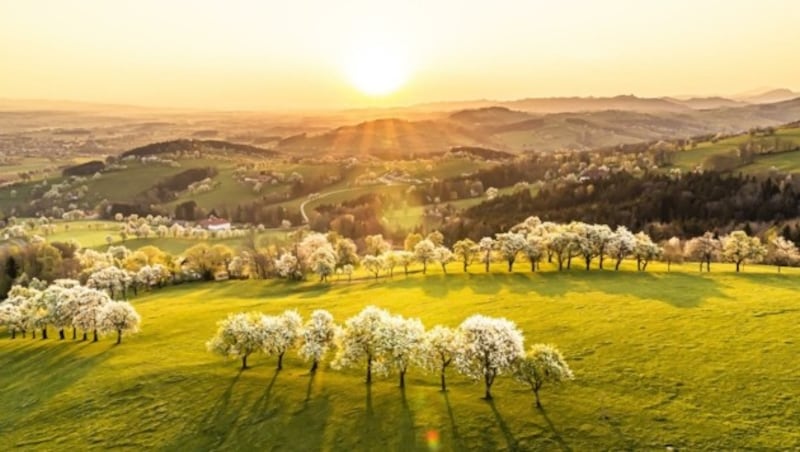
[[185, 145], [657, 203]]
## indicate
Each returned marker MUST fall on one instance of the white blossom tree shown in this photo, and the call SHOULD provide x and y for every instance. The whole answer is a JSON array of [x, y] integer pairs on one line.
[[466, 251], [424, 252], [443, 256], [535, 246], [439, 348], [361, 340], [704, 249], [672, 252], [509, 245], [288, 266], [738, 247], [323, 262], [621, 245], [543, 363], [401, 339], [373, 264], [319, 333], [87, 317], [238, 336], [280, 334], [486, 245], [645, 250], [782, 252], [404, 259], [119, 317], [112, 279], [490, 348]]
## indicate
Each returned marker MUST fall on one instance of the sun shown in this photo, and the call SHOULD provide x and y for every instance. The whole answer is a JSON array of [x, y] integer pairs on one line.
[[377, 69]]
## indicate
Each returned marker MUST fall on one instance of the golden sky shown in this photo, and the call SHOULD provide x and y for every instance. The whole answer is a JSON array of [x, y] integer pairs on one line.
[[321, 53]]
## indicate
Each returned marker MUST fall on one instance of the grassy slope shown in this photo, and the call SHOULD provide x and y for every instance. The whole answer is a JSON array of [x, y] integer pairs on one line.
[[788, 161], [683, 359]]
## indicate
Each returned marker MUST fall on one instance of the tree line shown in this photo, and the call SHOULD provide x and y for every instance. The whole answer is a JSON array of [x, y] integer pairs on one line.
[[481, 348]]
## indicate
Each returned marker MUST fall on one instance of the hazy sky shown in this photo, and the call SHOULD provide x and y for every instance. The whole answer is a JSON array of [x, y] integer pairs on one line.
[[302, 53]]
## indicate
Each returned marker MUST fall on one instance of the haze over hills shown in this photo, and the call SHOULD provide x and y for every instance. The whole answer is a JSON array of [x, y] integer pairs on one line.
[[402, 132]]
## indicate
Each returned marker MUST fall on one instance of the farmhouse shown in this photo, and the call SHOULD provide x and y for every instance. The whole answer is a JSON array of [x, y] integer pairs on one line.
[[215, 224]]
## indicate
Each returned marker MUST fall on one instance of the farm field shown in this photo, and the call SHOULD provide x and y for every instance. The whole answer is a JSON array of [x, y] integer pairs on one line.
[[679, 359]]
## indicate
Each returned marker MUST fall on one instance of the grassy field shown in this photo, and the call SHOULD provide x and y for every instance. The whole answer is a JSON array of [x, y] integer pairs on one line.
[[787, 162], [682, 359]]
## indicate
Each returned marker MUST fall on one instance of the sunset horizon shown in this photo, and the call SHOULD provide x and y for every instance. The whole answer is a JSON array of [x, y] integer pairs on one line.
[[261, 56]]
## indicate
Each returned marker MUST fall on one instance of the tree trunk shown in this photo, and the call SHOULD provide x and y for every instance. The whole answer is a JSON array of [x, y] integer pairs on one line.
[[44, 333], [533, 265], [280, 361], [488, 381], [669, 265], [701, 266], [244, 362], [536, 393], [424, 267], [369, 369], [510, 265], [616, 267], [119, 336], [444, 269], [13, 333], [84, 336], [94, 333], [314, 366], [779, 268], [405, 269], [74, 333], [601, 260], [569, 262], [23, 334], [61, 334], [402, 378], [737, 266], [465, 266], [33, 334], [488, 261], [588, 263]]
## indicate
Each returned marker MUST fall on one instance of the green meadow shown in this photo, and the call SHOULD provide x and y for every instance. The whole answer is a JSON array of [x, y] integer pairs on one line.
[[662, 359]]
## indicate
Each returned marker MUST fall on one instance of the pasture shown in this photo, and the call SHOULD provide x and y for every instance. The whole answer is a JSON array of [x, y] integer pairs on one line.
[[680, 359]]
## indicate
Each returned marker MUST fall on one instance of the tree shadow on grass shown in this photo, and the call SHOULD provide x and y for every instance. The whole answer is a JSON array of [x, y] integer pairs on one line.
[[216, 426], [408, 437], [511, 442], [677, 289], [556, 436], [33, 374], [458, 443]]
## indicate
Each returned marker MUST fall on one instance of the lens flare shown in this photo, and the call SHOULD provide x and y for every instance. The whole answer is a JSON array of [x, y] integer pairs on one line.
[[432, 438]]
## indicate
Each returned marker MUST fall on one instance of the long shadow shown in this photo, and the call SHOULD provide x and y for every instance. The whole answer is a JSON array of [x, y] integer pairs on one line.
[[677, 289], [408, 437], [457, 442], [260, 408], [217, 424], [511, 442], [33, 374], [556, 435]]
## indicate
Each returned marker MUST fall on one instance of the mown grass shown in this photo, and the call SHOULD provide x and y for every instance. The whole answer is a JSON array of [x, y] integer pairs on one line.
[[682, 359]]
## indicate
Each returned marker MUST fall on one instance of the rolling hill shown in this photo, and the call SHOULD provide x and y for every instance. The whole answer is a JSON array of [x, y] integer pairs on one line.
[[677, 360]]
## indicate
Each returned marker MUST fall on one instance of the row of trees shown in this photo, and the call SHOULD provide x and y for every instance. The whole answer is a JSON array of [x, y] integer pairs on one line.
[[561, 244], [481, 348], [66, 304]]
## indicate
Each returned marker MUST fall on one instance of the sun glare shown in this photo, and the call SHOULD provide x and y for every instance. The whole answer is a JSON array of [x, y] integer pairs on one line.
[[377, 70]]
